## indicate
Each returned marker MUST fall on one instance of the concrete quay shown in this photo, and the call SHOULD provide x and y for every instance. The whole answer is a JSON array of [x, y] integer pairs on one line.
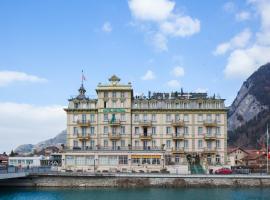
[[136, 180]]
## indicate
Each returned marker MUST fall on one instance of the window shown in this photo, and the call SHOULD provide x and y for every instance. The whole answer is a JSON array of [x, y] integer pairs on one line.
[[177, 117], [154, 117], [92, 117], [168, 130], [209, 117], [75, 131], [123, 117], [75, 118], [153, 130], [145, 117], [137, 143], [185, 130], [114, 104], [123, 130], [84, 117], [75, 143], [122, 104], [136, 161], [76, 105], [92, 143], [168, 105], [137, 129], [113, 130], [218, 159], [154, 143], [105, 130], [136, 118], [177, 105], [218, 117], [105, 104], [200, 130], [217, 130], [186, 144], [122, 95], [114, 94], [168, 143], [123, 160], [209, 130], [186, 117], [168, 117], [123, 143], [218, 144], [200, 118], [105, 143], [105, 117], [155, 161], [84, 130], [105, 94], [200, 144], [92, 130]]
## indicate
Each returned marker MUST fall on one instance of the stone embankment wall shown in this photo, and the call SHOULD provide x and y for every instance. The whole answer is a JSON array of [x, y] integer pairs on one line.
[[137, 181]]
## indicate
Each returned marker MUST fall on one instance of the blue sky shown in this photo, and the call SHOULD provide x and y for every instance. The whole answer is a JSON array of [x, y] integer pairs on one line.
[[206, 45]]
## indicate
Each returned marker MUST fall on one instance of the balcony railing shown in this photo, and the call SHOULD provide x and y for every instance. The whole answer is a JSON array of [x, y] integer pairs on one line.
[[210, 136], [115, 122], [116, 148], [210, 150], [145, 123], [178, 150], [114, 136], [144, 136], [83, 122], [179, 123], [210, 123], [178, 136], [81, 136]]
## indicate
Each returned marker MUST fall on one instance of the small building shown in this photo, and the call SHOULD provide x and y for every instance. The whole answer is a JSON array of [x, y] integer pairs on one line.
[[25, 161], [236, 155], [3, 160]]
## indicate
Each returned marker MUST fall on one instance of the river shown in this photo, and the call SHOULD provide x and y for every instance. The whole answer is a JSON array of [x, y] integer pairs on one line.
[[133, 194]]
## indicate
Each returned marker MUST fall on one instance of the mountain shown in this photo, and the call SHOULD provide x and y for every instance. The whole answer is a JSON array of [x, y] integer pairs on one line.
[[249, 112], [56, 141]]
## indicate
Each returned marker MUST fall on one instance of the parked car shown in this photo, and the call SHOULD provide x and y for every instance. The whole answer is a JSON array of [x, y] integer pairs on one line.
[[223, 171]]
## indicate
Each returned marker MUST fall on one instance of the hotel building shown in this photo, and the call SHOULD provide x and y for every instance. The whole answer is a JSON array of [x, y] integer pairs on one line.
[[118, 131]]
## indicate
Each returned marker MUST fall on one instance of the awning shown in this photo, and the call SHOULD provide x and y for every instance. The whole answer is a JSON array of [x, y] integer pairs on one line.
[[146, 156]]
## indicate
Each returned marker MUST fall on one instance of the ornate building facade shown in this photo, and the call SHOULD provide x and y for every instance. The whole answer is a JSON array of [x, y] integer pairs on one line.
[[118, 131]]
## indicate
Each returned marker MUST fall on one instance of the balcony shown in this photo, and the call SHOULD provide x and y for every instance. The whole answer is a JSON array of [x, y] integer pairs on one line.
[[178, 136], [83, 122], [114, 136], [145, 137], [178, 123], [178, 150], [209, 150], [210, 123], [210, 136], [83, 136], [115, 122], [145, 123]]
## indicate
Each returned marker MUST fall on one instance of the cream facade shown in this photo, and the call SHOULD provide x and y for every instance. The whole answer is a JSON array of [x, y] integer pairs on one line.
[[122, 132]]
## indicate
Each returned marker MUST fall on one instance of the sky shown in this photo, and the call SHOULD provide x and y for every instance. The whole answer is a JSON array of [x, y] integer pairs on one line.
[[157, 45]]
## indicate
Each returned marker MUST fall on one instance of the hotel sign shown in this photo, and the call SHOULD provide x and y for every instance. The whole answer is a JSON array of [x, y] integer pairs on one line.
[[113, 110]]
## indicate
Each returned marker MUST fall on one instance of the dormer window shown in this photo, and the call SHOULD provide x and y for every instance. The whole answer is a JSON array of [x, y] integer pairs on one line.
[[76, 105]]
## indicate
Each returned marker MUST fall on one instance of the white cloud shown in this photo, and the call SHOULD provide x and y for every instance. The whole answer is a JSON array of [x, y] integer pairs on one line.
[[8, 77], [151, 10], [160, 42], [107, 27], [149, 75], [242, 16], [173, 84], [25, 123], [178, 71], [229, 6], [163, 21], [241, 40], [181, 26], [244, 61]]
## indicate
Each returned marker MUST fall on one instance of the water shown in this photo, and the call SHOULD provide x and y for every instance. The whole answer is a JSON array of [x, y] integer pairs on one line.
[[133, 194]]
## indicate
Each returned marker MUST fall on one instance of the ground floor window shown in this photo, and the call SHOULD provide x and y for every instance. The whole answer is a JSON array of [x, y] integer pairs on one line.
[[123, 160]]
